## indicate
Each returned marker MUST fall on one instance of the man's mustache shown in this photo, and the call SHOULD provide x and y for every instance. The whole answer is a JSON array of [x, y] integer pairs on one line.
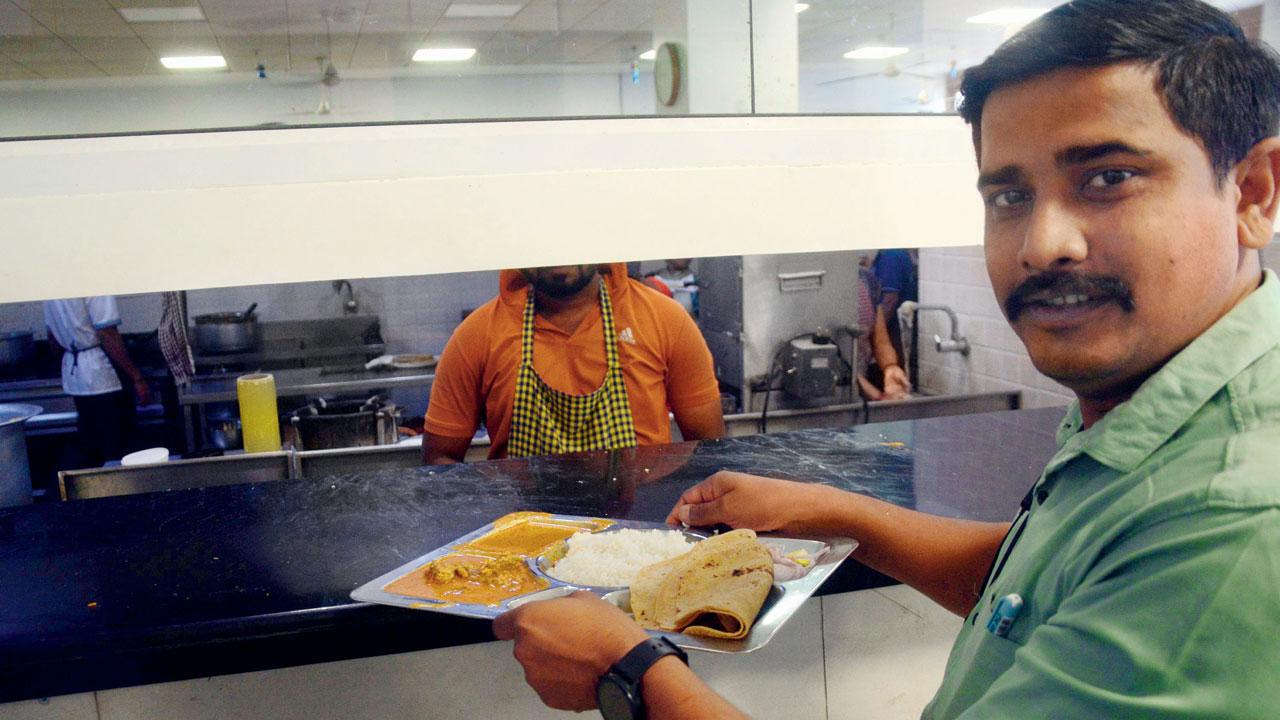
[[1097, 287]]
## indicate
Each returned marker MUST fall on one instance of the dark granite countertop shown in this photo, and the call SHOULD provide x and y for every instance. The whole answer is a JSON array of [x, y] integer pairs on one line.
[[151, 588]]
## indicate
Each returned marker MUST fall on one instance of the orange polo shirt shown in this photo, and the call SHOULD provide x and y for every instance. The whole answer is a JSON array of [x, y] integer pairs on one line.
[[665, 362]]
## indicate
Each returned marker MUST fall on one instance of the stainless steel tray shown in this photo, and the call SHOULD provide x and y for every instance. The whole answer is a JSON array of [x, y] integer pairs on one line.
[[783, 600]]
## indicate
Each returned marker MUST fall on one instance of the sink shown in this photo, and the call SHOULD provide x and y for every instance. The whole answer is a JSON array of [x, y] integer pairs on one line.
[[916, 407]]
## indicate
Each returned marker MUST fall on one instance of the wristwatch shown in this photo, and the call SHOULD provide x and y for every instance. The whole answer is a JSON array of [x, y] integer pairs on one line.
[[618, 691]]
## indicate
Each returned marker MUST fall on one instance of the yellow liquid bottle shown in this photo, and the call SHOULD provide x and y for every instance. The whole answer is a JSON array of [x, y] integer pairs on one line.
[[259, 417]]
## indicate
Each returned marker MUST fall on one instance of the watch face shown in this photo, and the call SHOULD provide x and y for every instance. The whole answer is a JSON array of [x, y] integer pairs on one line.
[[614, 700]]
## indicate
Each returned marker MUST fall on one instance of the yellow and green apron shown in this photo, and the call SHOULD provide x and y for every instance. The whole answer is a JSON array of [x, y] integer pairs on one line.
[[545, 421]]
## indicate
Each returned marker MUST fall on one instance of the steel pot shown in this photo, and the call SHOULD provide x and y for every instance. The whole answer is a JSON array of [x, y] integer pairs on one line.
[[347, 423], [16, 349], [15, 473], [226, 332]]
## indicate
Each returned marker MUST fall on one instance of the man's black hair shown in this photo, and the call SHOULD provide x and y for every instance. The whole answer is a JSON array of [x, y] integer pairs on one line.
[[1220, 87]]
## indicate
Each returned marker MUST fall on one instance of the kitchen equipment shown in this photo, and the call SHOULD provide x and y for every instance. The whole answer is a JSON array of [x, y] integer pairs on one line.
[[17, 349], [259, 412], [751, 306], [784, 599], [223, 428], [227, 332], [346, 423], [810, 368], [15, 473]]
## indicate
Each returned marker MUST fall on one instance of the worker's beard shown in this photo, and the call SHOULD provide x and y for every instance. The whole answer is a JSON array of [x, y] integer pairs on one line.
[[559, 285]]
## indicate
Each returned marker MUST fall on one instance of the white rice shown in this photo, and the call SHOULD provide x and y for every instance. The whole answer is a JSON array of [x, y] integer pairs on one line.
[[612, 559]]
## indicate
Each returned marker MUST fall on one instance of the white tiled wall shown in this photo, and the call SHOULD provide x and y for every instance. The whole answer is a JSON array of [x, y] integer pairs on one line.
[[957, 278], [870, 655], [418, 313]]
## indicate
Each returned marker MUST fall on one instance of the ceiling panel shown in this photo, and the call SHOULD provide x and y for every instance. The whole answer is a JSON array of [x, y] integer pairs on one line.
[[538, 16], [618, 16], [391, 15], [72, 67], [96, 49], [573, 12], [27, 50], [512, 48], [16, 23], [175, 31], [10, 70], [152, 3], [132, 68], [59, 4], [484, 26], [564, 47], [269, 18], [98, 22], [384, 50], [619, 49]]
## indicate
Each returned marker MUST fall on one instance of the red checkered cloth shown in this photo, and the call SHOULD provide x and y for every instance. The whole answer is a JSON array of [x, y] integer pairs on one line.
[[173, 339]]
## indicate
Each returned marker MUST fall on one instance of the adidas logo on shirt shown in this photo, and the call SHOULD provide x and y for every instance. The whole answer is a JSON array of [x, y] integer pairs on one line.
[[627, 336]]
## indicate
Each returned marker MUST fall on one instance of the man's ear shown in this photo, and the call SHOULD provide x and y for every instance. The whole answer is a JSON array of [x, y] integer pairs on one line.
[[1258, 178]]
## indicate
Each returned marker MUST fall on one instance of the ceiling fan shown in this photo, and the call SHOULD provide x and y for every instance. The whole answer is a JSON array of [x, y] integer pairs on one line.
[[327, 81], [890, 70]]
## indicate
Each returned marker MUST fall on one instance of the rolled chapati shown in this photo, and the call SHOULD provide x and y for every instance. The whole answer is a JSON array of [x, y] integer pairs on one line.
[[714, 590]]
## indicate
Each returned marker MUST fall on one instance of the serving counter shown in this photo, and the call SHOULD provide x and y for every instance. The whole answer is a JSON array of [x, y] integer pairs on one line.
[[156, 587]]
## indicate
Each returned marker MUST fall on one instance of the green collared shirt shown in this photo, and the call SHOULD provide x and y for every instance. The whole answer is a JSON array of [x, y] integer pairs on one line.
[[1149, 562]]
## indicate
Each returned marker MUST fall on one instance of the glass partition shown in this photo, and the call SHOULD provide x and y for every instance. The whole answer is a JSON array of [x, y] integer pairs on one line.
[[785, 341], [119, 66]]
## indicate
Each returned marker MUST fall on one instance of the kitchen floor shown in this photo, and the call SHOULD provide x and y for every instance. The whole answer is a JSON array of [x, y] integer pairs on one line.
[[869, 655]]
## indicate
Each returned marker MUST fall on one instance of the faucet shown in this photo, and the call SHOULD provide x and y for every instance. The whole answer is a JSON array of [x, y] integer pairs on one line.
[[957, 343], [350, 307]]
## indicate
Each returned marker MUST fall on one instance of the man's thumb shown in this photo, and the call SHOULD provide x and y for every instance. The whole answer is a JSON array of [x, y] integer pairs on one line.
[[702, 514]]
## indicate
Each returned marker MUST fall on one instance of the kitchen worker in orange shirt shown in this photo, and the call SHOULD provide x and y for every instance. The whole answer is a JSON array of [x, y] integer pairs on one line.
[[568, 359]]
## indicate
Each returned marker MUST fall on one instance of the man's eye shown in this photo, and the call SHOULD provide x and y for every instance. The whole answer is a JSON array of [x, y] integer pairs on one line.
[[1009, 198], [1109, 178]]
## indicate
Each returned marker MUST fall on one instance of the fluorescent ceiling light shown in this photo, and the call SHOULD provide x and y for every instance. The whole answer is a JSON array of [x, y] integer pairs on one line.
[[1007, 16], [443, 54], [482, 10], [161, 14], [194, 62], [801, 7], [651, 54], [876, 52]]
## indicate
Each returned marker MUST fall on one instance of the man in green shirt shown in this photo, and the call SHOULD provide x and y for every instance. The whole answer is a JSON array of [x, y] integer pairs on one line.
[[1131, 175]]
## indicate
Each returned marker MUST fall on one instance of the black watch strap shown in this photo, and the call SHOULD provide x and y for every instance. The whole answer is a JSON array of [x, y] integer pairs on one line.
[[640, 658]]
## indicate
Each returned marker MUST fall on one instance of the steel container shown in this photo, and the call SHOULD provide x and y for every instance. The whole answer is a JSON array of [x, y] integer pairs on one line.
[[226, 332], [346, 423], [15, 473]]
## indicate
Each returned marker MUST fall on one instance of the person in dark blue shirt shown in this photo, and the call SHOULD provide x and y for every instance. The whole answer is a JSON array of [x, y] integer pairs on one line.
[[896, 271]]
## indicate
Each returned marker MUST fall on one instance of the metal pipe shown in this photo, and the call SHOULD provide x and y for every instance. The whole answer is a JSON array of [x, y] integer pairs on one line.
[[958, 343], [350, 307]]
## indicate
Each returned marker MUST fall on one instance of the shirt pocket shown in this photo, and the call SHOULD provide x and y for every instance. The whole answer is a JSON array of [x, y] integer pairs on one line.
[[984, 659]]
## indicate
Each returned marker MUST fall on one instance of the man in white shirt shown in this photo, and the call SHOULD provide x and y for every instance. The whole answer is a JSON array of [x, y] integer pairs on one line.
[[682, 283], [96, 368]]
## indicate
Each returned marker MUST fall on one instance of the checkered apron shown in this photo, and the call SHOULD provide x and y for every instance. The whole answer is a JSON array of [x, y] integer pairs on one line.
[[545, 421]]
